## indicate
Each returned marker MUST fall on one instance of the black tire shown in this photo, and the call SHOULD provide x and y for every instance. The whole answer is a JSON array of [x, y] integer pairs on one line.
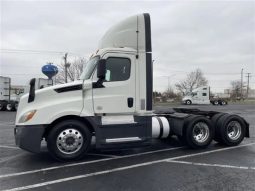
[[16, 106], [63, 126], [3, 106], [194, 124], [223, 102], [224, 126], [215, 102], [215, 120], [10, 107], [188, 102]]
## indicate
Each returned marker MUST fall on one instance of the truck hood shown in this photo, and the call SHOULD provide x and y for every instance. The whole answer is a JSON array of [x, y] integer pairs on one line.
[[186, 98], [52, 101]]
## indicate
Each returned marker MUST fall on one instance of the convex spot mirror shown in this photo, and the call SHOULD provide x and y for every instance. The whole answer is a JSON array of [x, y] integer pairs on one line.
[[101, 69]]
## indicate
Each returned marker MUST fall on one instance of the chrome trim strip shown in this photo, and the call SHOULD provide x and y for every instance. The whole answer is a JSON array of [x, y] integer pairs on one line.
[[125, 139]]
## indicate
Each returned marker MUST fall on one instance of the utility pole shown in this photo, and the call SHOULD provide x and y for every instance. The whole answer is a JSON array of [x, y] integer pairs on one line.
[[242, 83], [248, 81], [65, 60]]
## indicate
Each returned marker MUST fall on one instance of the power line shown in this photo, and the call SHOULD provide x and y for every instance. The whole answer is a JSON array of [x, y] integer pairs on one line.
[[27, 51]]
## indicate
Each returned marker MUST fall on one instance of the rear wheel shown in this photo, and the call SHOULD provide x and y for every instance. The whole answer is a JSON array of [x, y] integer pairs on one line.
[[16, 106], [223, 102], [10, 107], [69, 140], [232, 130], [199, 132], [215, 102], [2, 106], [215, 120]]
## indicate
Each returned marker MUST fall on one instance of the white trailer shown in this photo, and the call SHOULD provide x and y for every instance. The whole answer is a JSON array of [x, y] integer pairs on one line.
[[112, 101], [5, 91], [202, 95]]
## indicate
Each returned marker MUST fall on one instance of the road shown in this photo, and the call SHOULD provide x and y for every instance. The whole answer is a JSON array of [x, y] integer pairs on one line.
[[166, 165]]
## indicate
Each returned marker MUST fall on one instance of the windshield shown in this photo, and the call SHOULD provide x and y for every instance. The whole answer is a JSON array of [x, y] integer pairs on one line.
[[89, 68]]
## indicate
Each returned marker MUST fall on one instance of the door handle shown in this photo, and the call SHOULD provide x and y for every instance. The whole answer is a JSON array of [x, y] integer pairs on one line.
[[130, 102]]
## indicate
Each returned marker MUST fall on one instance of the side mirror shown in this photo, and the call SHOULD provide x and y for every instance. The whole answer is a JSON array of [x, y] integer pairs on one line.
[[101, 69], [31, 96]]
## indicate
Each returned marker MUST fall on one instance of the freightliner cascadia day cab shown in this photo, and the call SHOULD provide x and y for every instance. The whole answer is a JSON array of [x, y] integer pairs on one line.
[[113, 102]]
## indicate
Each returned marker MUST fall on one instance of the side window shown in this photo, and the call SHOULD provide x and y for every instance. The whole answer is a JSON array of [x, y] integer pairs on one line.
[[204, 94], [194, 93], [117, 69]]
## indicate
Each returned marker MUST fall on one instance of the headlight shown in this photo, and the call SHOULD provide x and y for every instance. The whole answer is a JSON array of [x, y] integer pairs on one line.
[[27, 116]]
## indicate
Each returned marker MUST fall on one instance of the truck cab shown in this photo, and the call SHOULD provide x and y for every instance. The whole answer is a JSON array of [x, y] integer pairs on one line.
[[112, 102], [197, 96]]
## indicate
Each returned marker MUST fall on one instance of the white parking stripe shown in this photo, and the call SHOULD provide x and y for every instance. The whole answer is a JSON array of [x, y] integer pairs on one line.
[[212, 165], [208, 152], [102, 155], [86, 162], [116, 169], [9, 147]]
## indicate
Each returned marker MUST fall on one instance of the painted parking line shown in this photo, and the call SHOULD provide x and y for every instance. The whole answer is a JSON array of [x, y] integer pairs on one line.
[[9, 147], [208, 152], [119, 169], [102, 155], [86, 162], [212, 165], [7, 122]]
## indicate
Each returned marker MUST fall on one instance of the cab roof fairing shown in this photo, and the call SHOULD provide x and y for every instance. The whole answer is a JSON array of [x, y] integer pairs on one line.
[[133, 32]]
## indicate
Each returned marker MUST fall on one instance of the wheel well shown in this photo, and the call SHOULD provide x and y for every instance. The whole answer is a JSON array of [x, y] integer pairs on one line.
[[73, 117]]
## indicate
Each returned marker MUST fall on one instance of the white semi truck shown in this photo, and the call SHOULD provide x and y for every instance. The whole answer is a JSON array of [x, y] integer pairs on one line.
[[202, 95], [9, 101], [112, 101]]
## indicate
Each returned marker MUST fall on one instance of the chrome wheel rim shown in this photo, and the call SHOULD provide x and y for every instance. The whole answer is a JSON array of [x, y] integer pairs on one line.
[[69, 141], [201, 132], [234, 130]]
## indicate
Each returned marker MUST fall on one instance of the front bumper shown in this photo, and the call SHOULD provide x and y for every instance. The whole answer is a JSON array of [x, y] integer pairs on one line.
[[29, 137]]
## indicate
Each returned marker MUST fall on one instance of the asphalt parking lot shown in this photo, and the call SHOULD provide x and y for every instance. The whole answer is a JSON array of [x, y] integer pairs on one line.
[[167, 165]]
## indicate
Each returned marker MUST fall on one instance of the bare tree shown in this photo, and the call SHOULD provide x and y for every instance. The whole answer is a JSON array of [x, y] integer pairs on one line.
[[169, 93], [73, 72], [193, 80], [236, 89]]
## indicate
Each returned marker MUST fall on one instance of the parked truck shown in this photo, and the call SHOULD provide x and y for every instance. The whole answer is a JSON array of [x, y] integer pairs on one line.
[[202, 95], [112, 102], [10, 101]]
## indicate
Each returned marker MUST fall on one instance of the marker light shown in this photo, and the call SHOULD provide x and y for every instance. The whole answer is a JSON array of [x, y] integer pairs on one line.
[[27, 116]]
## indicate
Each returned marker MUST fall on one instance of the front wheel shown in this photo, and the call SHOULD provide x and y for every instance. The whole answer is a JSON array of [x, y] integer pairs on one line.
[[188, 102], [69, 140]]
